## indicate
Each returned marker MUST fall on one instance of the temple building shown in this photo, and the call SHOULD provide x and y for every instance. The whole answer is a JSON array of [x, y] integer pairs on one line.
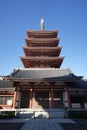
[[42, 83]]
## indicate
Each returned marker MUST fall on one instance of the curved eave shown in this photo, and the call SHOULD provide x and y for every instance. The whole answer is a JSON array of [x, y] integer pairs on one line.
[[41, 58], [42, 48], [48, 61], [29, 51], [42, 41], [42, 34]]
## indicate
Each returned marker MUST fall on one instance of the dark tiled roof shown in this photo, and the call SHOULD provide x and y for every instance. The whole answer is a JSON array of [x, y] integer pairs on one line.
[[39, 73], [79, 84], [6, 84], [43, 73]]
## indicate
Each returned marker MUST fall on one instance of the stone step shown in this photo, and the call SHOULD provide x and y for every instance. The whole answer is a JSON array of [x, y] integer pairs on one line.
[[41, 113]]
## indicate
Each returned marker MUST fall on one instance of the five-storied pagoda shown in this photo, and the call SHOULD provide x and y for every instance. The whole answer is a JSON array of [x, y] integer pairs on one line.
[[42, 83], [42, 49]]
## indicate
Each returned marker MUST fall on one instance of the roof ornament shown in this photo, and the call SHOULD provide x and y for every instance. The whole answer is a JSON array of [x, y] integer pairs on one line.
[[42, 25]]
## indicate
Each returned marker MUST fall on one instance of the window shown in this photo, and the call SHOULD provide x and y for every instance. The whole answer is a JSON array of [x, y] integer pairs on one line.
[[6, 100]]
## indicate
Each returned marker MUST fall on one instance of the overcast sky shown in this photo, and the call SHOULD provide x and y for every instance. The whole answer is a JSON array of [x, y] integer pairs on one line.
[[67, 16]]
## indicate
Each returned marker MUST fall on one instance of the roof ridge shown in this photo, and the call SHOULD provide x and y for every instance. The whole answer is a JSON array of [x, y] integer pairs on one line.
[[17, 69]]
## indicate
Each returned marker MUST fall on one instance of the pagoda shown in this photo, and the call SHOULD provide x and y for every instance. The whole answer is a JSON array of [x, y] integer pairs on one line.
[[42, 50]]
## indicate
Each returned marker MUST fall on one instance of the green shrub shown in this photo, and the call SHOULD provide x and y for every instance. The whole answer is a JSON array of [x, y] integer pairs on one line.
[[7, 114], [77, 114]]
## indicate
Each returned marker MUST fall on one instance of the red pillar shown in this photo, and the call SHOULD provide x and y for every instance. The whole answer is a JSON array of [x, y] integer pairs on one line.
[[31, 98], [14, 100], [69, 102], [51, 96]]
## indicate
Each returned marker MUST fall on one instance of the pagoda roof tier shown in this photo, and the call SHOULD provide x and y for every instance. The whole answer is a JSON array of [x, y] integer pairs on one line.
[[42, 51], [42, 41], [48, 62], [42, 34]]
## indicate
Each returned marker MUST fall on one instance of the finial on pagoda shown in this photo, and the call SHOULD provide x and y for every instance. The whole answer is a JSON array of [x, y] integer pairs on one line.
[[42, 25]]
